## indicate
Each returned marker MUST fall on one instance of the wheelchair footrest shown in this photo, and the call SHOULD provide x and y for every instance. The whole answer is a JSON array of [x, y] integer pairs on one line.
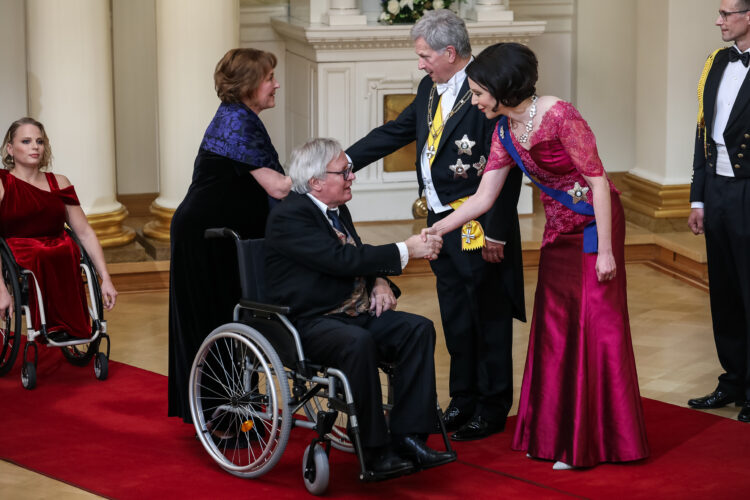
[[325, 421]]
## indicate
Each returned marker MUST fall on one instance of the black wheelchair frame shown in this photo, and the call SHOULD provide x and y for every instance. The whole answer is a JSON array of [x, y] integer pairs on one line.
[[240, 388], [77, 351]]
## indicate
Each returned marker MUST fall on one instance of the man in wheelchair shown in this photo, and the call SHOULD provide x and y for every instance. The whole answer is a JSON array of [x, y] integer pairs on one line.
[[344, 307]]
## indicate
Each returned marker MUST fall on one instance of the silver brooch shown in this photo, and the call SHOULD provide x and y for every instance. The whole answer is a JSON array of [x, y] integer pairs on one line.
[[459, 170], [501, 132], [464, 145], [578, 193], [480, 165]]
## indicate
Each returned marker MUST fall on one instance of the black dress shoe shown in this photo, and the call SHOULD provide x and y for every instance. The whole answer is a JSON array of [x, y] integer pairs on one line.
[[413, 448], [479, 427], [454, 417], [716, 399], [385, 463], [744, 415]]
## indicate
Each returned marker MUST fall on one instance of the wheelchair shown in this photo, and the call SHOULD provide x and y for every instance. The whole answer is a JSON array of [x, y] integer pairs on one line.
[[78, 351], [250, 383]]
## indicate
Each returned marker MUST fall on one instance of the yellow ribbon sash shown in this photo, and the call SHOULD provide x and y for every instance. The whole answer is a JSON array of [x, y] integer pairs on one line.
[[436, 131], [472, 234], [701, 88]]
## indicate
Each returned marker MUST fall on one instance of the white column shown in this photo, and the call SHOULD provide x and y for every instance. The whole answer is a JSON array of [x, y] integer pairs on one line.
[[69, 50], [191, 37], [490, 10], [345, 13]]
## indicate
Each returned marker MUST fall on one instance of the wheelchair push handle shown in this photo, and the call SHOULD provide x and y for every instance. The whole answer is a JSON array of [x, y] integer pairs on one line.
[[220, 232]]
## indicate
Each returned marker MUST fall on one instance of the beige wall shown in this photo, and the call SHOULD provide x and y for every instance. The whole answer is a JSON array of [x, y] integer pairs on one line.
[[674, 39], [605, 77], [12, 62]]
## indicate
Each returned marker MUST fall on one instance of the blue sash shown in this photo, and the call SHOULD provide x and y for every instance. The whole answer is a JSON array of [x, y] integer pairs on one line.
[[590, 238]]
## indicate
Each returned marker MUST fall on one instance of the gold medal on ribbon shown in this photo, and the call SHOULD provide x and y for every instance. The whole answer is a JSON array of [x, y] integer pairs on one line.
[[472, 234]]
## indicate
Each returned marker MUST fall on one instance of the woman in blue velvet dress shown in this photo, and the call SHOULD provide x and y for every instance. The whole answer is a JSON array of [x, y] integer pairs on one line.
[[236, 179]]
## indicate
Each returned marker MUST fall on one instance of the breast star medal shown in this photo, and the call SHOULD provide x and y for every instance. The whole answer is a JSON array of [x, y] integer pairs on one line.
[[464, 145], [480, 165], [578, 193], [459, 170]]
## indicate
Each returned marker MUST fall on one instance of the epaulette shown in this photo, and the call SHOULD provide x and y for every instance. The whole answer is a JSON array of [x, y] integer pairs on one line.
[[701, 87]]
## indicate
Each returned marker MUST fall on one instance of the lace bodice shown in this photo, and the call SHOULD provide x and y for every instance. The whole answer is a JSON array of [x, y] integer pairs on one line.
[[562, 150]]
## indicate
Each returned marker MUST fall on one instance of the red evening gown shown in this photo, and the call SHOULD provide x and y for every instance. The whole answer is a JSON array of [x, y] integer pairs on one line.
[[32, 222], [580, 402]]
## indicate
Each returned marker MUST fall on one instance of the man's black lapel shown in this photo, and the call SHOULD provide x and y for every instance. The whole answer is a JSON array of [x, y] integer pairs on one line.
[[711, 89]]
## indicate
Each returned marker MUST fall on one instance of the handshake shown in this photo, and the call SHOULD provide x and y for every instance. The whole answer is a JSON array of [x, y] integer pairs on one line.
[[424, 246]]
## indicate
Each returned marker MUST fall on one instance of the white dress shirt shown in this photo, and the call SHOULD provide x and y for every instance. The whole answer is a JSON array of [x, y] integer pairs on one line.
[[449, 94], [402, 250]]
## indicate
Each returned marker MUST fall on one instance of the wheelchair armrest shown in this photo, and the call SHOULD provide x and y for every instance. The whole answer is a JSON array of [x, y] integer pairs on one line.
[[266, 308], [220, 232]]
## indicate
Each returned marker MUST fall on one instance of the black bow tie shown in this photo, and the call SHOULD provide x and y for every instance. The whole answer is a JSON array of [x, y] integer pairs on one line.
[[736, 56]]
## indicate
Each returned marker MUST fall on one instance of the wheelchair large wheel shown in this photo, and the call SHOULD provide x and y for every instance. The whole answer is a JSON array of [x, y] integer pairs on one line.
[[81, 354], [338, 435], [239, 400], [10, 328]]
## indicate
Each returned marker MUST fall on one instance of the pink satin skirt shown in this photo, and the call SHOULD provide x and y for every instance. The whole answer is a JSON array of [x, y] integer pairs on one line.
[[580, 402]]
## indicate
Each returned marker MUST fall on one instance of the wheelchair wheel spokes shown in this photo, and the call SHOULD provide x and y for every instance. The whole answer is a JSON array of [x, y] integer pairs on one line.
[[10, 328], [239, 400]]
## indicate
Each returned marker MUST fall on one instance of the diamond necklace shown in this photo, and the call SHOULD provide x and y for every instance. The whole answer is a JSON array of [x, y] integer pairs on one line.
[[529, 124]]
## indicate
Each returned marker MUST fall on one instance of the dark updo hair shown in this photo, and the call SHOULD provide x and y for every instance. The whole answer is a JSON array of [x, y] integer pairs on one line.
[[507, 70], [8, 160], [240, 72]]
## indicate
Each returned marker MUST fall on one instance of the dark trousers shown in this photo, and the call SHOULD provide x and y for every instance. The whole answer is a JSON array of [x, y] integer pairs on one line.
[[727, 227], [477, 318], [356, 345]]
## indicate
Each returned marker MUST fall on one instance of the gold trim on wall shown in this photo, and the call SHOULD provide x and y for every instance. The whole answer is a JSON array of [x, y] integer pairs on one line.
[[109, 229], [401, 160], [655, 200], [158, 227]]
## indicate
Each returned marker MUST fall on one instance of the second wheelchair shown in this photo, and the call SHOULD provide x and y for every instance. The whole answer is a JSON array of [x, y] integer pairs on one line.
[[21, 283]]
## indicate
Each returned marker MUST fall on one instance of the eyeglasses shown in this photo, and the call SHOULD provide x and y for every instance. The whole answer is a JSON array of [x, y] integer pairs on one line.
[[724, 14], [347, 172]]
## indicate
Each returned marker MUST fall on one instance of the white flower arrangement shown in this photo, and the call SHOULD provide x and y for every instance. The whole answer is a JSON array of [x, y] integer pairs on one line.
[[409, 11]]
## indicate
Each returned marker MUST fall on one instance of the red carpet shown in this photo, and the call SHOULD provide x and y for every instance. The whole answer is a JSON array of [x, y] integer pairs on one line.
[[112, 438]]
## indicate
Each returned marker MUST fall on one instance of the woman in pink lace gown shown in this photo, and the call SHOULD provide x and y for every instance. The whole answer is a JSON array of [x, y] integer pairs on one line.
[[580, 404]]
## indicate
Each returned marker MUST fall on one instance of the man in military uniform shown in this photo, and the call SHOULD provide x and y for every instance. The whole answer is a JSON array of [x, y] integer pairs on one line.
[[479, 273], [720, 202]]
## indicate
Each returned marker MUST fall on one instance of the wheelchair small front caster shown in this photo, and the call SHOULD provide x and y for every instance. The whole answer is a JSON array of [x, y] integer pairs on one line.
[[101, 366], [316, 472], [28, 375]]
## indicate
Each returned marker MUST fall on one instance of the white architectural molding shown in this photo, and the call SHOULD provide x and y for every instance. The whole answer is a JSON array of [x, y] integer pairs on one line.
[[337, 81]]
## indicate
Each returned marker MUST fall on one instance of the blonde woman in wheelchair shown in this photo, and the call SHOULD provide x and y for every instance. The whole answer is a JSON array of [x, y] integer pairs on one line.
[[35, 205]]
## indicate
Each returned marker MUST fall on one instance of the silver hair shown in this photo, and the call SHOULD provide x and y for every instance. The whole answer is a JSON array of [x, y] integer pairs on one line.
[[441, 28], [310, 161]]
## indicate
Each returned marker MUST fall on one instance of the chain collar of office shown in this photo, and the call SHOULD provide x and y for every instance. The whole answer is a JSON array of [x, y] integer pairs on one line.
[[436, 133], [529, 124]]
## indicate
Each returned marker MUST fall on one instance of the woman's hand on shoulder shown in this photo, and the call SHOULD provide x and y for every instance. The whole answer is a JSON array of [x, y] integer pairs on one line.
[[62, 181]]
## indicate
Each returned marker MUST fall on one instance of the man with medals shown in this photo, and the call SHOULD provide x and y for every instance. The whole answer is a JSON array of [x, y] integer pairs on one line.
[[478, 272], [719, 200]]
